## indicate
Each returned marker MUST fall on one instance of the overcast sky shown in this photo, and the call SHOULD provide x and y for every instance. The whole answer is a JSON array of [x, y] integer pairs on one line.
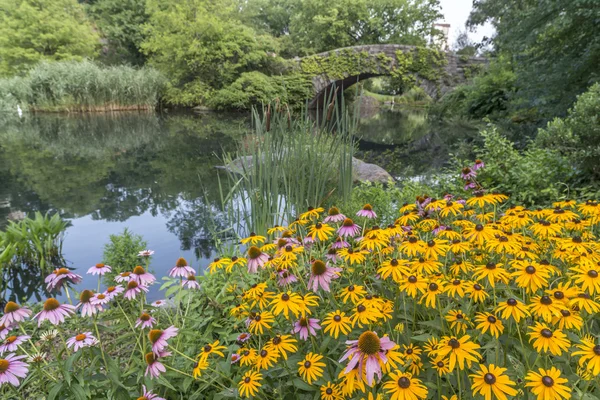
[[456, 13]]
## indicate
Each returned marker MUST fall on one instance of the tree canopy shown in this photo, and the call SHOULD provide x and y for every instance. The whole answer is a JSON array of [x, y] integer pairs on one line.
[[36, 30]]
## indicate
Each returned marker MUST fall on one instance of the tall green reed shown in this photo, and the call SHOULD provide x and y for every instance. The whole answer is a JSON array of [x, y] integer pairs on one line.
[[290, 162]]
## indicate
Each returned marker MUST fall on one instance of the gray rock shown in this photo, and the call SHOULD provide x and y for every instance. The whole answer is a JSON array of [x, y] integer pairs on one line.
[[361, 171]]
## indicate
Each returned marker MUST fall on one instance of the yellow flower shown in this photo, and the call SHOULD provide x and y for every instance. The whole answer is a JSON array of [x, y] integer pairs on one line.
[[412, 246], [450, 207], [218, 263], [394, 268], [282, 344], [492, 383], [285, 303], [568, 320], [311, 368], [489, 322], [330, 391], [545, 308], [365, 315], [413, 285], [253, 238], [585, 302], [247, 356], [275, 229], [434, 289], [530, 275], [353, 292], [312, 213], [459, 322], [249, 384], [435, 248], [201, 366], [590, 355], [493, 272], [335, 323], [461, 352], [266, 358], [352, 256], [321, 231], [587, 277], [456, 288], [480, 234], [544, 339], [212, 348], [260, 322], [477, 293], [352, 381], [512, 308], [440, 364], [403, 386], [547, 384], [425, 266]]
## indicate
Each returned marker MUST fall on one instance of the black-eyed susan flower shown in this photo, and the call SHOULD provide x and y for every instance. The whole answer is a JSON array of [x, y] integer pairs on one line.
[[545, 229], [335, 323], [311, 367], [547, 340], [286, 303], [477, 292], [460, 352], [440, 365], [568, 320], [247, 356], [587, 277], [234, 262], [585, 302], [253, 239], [479, 234], [353, 256], [456, 288], [458, 321], [403, 386], [548, 384], [353, 293], [365, 315], [492, 382], [211, 348], [530, 275], [266, 358], [308, 300], [492, 272], [413, 285], [411, 352], [248, 386], [260, 322], [276, 229], [412, 246], [546, 308], [590, 355], [329, 391], [283, 344], [311, 212], [435, 248], [218, 263], [352, 381], [425, 266], [512, 308], [321, 231], [199, 368], [394, 268], [431, 294], [458, 246], [489, 322]]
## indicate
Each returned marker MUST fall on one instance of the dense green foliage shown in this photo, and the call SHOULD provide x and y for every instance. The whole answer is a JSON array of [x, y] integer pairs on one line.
[[121, 253], [32, 31], [82, 86], [553, 44]]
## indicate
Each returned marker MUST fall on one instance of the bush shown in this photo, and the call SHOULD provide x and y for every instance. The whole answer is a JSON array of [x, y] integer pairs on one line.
[[578, 135], [121, 253]]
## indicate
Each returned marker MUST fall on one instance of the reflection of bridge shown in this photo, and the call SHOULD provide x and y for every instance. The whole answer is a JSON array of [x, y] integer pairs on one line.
[[437, 72]]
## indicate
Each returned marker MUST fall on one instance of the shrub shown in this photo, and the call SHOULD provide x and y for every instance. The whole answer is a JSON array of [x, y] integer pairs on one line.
[[121, 253]]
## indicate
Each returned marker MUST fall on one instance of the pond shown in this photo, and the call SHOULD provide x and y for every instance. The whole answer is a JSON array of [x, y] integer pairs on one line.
[[154, 174]]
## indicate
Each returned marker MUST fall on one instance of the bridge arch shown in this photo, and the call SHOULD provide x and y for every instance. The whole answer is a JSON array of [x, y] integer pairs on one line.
[[437, 72]]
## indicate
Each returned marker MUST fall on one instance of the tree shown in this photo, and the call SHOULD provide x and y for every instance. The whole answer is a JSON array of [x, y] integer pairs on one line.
[[554, 45], [202, 46], [321, 25], [34, 30], [464, 45], [121, 23]]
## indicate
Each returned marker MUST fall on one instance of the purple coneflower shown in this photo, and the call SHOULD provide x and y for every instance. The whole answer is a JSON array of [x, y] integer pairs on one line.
[[321, 275], [123, 277], [370, 348], [11, 369], [235, 357], [478, 165], [12, 343], [439, 229], [191, 282], [332, 255], [100, 299], [348, 228], [5, 329], [145, 320], [54, 312], [304, 326], [334, 215], [244, 337], [367, 212], [155, 367], [99, 269], [467, 173], [148, 395], [14, 313], [159, 338], [113, 291], [60, 276], [133, 289], [308, 241], [286, 278], [181, 269], [82, 340], [85, 303], [340, 243], [142, 277], [159, 303], [256, 258], [145, 253]]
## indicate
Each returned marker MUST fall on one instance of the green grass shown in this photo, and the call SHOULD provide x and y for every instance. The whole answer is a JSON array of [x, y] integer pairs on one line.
[[71, 86]]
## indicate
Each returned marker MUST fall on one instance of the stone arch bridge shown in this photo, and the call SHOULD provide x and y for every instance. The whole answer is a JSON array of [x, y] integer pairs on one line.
[[437, 72]]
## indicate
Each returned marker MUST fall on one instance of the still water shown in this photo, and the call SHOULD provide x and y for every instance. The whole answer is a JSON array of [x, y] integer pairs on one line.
[[154, 174]]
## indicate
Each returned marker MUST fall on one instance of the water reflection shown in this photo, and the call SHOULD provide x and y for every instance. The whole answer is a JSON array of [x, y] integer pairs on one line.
[[112, 167]]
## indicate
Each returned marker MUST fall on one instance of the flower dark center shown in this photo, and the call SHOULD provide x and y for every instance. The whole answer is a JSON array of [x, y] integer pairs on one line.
[[478, 227], [307, 364], [577, 239], [132, 285], [459, 316], [4, 364], [329, 391], [548, 381], [351, 288], [361, 308], [150, 358], [455, 344], [145, 317], [530, 269], [348, 223], [565, 313], [597, 349], [477, 286], [337, 318], [80, 337], [247, 379], [490, 265], [51, 304], [491, 319], [433, 287], [264, 353], [139, 270], [404, 382], [547, 333], [285, 297], [318, 267], [254, 252], [559, 295], [511, 302], [369, 343], [409, 351], [333, 211], [303, 322], [440, 364], [490, 379], [367, 207], [592, 274], [394, 262], [546, 300], [276, 340], [11, 307], [154, 335], [412, 279], [412, 240], [207, 348]]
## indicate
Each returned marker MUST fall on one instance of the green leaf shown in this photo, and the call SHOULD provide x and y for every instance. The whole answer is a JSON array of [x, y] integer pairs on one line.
[[55, 391]]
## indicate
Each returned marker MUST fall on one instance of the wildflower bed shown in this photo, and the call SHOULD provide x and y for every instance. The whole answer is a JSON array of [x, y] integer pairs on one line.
[[459, 298]]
